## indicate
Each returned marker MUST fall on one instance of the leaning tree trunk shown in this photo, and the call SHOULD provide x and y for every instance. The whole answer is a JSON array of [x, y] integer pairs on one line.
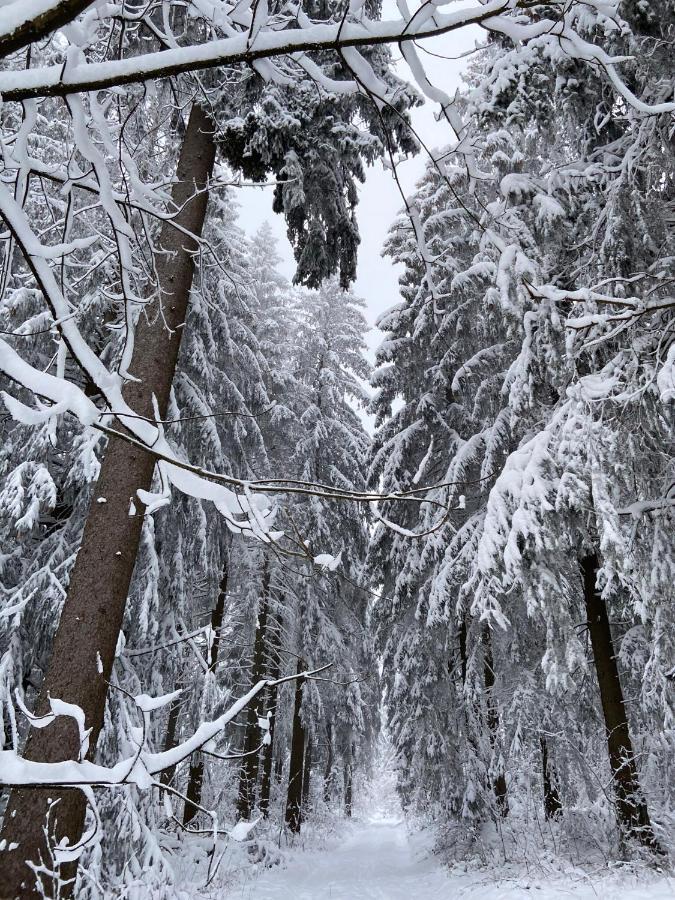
[[552, 802], [86, 638], [248, 775], [196, 774], [296, 765], [499, 783], [631, 809]]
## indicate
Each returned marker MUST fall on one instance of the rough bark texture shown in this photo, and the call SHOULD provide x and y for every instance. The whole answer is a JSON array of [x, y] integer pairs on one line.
[[552, 802], [296, 765], [499, 783], [196, 775], [631, 809], [86, 638], [248, 775]]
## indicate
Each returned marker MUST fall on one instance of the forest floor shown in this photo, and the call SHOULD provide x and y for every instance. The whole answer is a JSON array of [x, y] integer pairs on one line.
[[377, 856], [379, 859], [375, 861]]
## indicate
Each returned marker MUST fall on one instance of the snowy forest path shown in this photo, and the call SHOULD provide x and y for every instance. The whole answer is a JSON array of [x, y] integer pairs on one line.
[[376, 862], [380, 859]]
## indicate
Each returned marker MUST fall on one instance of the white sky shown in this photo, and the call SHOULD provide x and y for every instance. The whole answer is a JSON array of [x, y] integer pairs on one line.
[[379, 199]]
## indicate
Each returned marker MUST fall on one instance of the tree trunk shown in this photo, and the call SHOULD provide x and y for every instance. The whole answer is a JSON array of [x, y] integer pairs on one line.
[[166, 777], [499, 783], [273, 699], [86, 638], [248, 775], [279, 766], [196, 775], [193, 793], [462, 650], [296, 766], [328, 774], [268, 759], [218, 613], [552, 802], [631, 809], [349, 777], [307, 776]]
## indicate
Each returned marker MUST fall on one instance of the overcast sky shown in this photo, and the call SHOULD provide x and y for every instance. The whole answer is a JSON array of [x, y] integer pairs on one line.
[[379, 199]]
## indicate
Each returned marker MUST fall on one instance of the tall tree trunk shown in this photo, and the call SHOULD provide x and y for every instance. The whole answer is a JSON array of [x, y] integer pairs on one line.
[[296, 765], [193, 792], [307, 775], [279, 765], [196, 774], [268, 759], [499, 783], [86, 638], [248, 775], [166, 777], [631, 809], [462, 649], [218, 613], [349, 779], [272, 700], [328, 774], [552, 802]]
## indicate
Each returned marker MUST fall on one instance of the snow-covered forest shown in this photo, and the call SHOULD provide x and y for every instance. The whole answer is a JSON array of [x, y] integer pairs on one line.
[[278, 620]]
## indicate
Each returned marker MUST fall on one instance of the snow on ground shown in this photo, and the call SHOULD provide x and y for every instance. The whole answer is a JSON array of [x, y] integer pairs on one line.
[[377, 860], [376, 856], [381, 860]]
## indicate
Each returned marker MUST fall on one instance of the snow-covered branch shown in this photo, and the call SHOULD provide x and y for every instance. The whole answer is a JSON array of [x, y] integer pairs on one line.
[[269, 41], [141, 768]]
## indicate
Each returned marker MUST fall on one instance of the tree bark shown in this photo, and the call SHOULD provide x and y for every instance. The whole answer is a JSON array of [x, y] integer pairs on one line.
[[499, 783], [32, 29], [462, 649], [248, 775], [196, 774], [296, 766], [307, 775], [328, 774], [86, 638], [218, 613], [272, 701], [268, 759], [552, 802], [166, 777], [279, 765], [193, 792], [349, 780], [631, 810]]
